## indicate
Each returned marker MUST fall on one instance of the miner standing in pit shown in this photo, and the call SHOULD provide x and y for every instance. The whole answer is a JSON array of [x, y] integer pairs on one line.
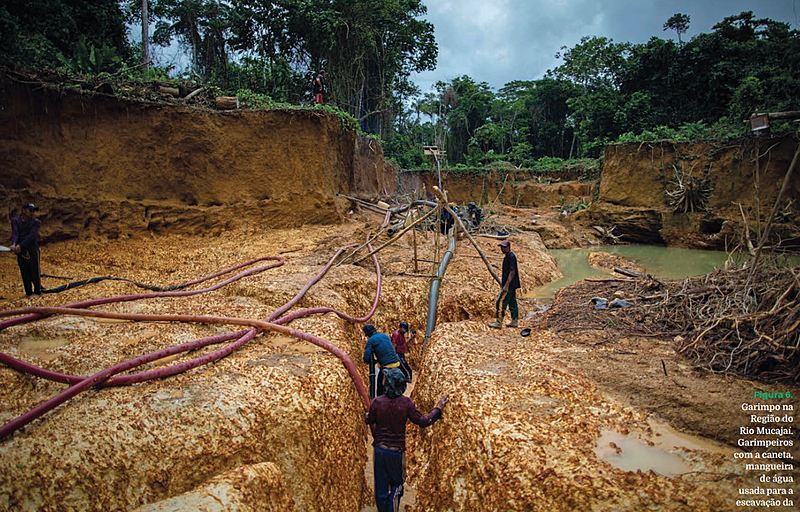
[[399, 342], [25, 244], [390, 413], [508, 293], [379, 347]]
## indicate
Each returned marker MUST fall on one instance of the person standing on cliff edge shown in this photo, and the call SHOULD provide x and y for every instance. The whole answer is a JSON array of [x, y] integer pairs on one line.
[[319, 87], [25, 244], [508, 293]]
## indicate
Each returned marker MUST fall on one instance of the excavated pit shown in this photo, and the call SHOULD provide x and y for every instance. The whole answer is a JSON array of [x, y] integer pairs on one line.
[[274, 412], [279, 422], [278, 425]]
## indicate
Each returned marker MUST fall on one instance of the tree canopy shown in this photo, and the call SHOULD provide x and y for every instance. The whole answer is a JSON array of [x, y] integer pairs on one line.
[[601, 91]]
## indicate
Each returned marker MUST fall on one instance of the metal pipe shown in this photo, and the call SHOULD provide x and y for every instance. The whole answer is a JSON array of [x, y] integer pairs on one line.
[[434, 293]]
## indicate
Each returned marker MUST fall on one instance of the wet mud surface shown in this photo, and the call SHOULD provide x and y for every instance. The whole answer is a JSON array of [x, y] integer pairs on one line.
[[279, 422]]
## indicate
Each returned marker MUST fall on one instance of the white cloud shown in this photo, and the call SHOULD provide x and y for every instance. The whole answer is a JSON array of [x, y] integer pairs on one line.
[[503, 40]]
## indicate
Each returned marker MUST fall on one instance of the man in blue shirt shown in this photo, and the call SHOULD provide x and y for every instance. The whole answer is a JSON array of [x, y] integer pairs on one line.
[[379, 347]]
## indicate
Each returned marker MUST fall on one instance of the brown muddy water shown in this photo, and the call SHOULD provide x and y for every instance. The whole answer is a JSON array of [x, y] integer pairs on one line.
[[660, 262]]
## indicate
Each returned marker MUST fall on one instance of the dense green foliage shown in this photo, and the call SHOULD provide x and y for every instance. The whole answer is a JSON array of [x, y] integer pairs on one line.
[[270, 51], [46, 33], [609, 92]]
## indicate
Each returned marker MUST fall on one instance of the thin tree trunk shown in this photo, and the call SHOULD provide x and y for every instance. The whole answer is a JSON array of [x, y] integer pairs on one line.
[[145, 37]]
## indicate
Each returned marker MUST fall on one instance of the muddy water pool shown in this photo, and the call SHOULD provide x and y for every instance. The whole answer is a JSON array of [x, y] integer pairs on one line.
[[662, 450], [660, 262]]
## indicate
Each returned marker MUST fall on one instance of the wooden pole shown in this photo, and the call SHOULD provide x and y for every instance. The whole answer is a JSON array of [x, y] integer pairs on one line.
[[397, 237], [414, 238], [472, 240], [767, 228], [227, 102]]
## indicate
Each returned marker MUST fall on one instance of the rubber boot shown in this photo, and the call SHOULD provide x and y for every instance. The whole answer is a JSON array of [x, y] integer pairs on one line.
[[513, 323], [496, 324]]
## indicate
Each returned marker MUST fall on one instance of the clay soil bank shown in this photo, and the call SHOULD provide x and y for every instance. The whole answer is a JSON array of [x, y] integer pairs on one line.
[[278, 424]]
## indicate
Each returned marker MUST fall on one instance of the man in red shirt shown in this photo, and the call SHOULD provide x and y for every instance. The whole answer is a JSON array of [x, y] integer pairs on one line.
[[399, 343], [389, 413]]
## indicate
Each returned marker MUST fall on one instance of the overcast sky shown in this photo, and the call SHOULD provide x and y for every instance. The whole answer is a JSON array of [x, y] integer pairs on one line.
[[497, 41]]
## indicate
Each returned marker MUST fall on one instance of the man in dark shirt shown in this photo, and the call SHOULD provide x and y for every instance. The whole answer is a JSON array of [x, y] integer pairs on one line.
[[25, 244], [508, 293], [379, 347], [474, 214], [389, 413], [399, 343]]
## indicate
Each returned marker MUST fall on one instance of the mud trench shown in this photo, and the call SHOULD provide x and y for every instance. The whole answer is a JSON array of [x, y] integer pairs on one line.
[[278, 424]]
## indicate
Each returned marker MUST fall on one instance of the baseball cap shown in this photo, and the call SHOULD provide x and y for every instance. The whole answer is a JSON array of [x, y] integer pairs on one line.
[[504, 243], [29, 206]]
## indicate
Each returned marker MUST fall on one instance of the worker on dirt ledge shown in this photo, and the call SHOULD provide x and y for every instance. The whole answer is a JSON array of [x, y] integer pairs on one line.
[[508, 294], [319, 87], [399, 342], [475, 214], [25, 244], [379, 347], [390, 413]]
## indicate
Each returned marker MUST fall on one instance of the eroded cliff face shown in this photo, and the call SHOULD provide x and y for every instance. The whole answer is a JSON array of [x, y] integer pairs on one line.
[[101, 166], [514, 188], [638, 180]]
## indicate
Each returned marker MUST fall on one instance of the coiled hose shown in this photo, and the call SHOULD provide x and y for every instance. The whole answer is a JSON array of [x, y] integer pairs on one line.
[[105, 377]]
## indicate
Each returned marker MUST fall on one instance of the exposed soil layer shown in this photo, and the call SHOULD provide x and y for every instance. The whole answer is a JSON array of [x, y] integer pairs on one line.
[[638, 179], [280, 422], [163, 195], [101, 167]]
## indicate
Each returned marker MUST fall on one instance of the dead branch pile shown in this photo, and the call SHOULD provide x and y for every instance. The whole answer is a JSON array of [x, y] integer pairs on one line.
[[738, 322]]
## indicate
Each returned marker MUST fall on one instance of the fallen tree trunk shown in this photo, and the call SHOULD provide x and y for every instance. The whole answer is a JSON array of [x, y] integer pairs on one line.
[[227, 102]]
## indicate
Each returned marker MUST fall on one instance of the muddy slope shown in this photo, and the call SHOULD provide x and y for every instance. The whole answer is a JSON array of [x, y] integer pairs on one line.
[[638, 177], [100, 166]]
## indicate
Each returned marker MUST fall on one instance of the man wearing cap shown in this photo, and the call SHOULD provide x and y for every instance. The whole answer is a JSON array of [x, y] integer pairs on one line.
[[25, 244], [399, 343], [390, 413], [379, 347], [508, 294]]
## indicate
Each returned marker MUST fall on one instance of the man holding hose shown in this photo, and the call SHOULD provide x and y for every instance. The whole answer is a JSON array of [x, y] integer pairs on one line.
[[508, 294], [25, 244]]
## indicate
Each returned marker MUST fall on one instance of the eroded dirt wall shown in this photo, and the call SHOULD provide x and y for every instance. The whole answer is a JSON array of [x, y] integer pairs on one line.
[[637, 177], [483, 188], [269, 420], [100, 166]]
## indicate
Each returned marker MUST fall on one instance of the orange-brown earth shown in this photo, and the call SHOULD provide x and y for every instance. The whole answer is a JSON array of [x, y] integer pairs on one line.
[[278, 424]]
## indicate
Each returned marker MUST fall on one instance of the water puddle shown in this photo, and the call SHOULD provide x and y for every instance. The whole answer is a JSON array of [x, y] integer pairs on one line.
[[662, 262], [640, 452], [42, 348]]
